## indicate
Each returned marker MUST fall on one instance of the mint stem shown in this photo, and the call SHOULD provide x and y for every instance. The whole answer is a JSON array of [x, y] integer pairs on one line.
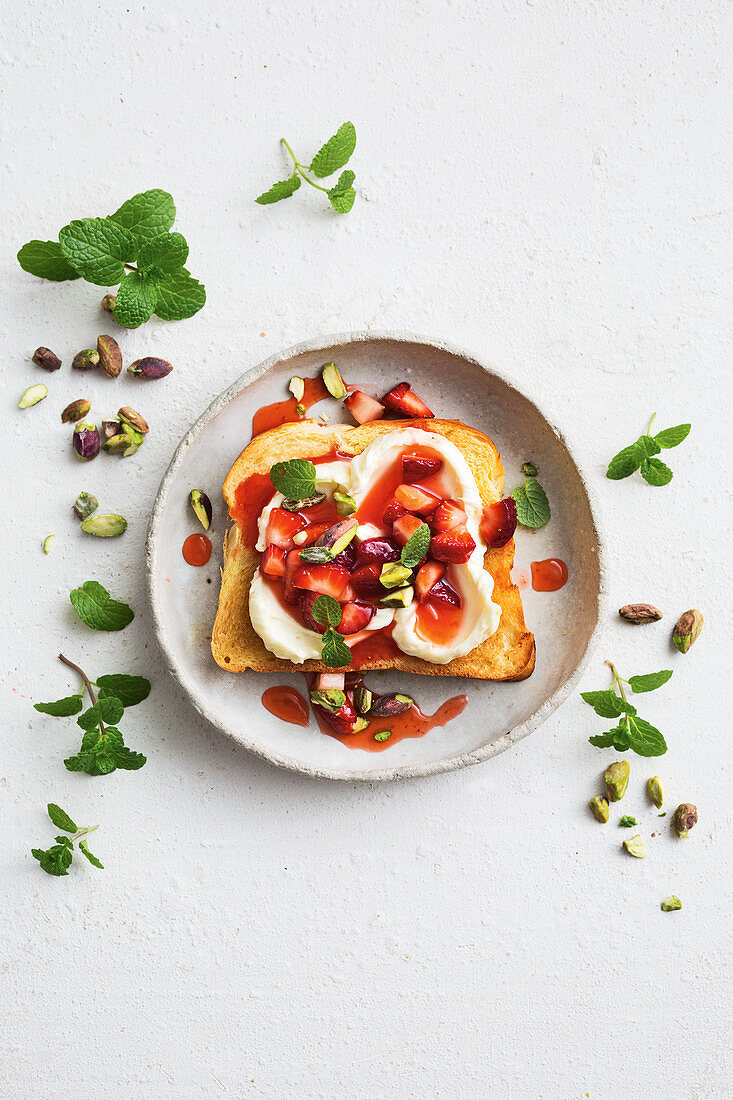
[[87, 684], [650, 424], [84, 831], [298, 167], [617, 680]]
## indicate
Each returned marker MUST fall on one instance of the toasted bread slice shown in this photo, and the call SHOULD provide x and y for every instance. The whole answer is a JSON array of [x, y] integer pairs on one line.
[[509, 654]]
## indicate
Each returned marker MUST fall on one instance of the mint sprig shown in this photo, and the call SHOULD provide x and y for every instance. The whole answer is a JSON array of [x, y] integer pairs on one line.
[[95, 607], [326, 611], [533, 507], [295, 479], [103, 251], [416, 546], [57, 859], [641, 455], [334, 651], [329, 158], [631, 732]]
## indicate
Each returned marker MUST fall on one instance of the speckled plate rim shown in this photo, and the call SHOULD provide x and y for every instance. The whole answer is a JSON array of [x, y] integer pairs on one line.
[[416, 771]]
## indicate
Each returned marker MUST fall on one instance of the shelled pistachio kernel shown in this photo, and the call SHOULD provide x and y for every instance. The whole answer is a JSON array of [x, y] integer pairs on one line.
[[345, 504], [84, 505], [655, 790], [616, 777], [636, 847], [383, 735], [110, 356], [599, 808], [106, 525], [687, 629], [201, 507], [684, 819], [48, 543], [671, 904], [398, 597], [393, 574], [333, 381], [33, 395]]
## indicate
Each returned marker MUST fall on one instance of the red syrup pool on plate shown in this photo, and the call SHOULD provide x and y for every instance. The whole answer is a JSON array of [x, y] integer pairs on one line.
[[196, 550], [548, 575]]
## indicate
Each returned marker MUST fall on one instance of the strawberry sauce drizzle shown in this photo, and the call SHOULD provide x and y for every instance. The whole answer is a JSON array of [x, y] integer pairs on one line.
[[549, 575], [412, 723], [284, 412], [286, 703], [196, 549]]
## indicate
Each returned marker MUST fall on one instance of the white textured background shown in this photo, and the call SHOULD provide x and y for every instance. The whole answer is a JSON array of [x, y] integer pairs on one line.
[[548, 184]]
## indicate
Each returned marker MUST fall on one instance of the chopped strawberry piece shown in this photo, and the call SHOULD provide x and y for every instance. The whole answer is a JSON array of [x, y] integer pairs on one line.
[[343, 721], [445, 593], [281, 526], [305, 606], [405, 527], [348, 594], [292, 565], [326, 580], [354, 617], [309, 536], [401, 399], [379, 549], [427, 577], [363, 408], [393, 512], [347, 557], [325, 681], [415, 466], [455, 546], [448, 515], [499, 522], [415, 499], [272, 563], [365, 581]]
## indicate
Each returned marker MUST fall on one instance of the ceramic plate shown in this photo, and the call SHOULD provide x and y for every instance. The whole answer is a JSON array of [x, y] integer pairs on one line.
[[184, 599]]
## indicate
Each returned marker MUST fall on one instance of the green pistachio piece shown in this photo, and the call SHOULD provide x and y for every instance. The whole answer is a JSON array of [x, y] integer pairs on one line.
[[636, 847], [383, 735], [394, 574], [333, 381], [304, 502], [398, 597], [33, 395], [297, 387], [362, 699], [687, 629], [330, 699], [655, 790], [106, 525], [671, 904], [48, 543], [599, 808], [300, 409], [338, 537], [529, 469], [84, 505], [684, 819], [201, 506], [360, 724], [345, 504], [316, 555], [617, 780]]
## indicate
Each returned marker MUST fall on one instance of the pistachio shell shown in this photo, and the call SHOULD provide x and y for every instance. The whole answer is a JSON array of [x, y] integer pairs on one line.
[[75, 411], [44, 357]]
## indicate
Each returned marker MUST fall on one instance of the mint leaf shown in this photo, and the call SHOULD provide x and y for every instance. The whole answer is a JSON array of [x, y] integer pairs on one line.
[[95, 607], [103, 753], [335, 653], [98, 248], [281, 190], [335, 153], [136, 299], [533, 509], [672, 437], [84, 847], [109, 709], [147, 215], [295, 479], [55, 861], [646, 740], [343, 194], [128, 689], [62, 708], [625, 463], [46, 260], [607, 704], [416, 547], [179, 296], [60, 818], [326, 611], [647, 446], [650, 682], [655, 472], [167, 252], [604, 740]]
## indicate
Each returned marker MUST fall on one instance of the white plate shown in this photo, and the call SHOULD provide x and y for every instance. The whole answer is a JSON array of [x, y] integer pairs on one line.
[[455, 386]]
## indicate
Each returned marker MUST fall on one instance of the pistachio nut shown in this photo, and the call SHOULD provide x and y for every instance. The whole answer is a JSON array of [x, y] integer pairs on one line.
[[85, 360], [85, 440], [297, 387], [616, 777], [345, 504], [394, 574], [388, 706], [84, 505], [363, 698], [687, 629], [383, 735], [32, 396], [684, 819], [360, 724], [304, 502], [77, 410], [111, 428], [47, 543], [333, 381], [201, 505], [150, 368], [655, 790], [636, 847], [106, 525], [316, 555], [398, 597], [529, 469], [300, 409], [110, 356], [599, 808], [109, 303], [338, 537], [330, 699], [671, 904], [131, 417], [125, 442], [44, 357], [640, 613]]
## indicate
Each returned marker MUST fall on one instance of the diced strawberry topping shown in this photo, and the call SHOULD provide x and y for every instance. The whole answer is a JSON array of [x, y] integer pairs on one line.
[[365, 581], [309, 536], [292, 565], [363, 408], [306, 612], [272, 563], [415, 499], [379, 549], [281, 526], [448, 515], [499, 522], [325, 681], [454, 546], [415, 466], [325, 580], [427, 577], [445, 593], [401, 399], [347, 557], [348, 594], [393, 512], [343, 721], [354, 617], [405, 527]]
